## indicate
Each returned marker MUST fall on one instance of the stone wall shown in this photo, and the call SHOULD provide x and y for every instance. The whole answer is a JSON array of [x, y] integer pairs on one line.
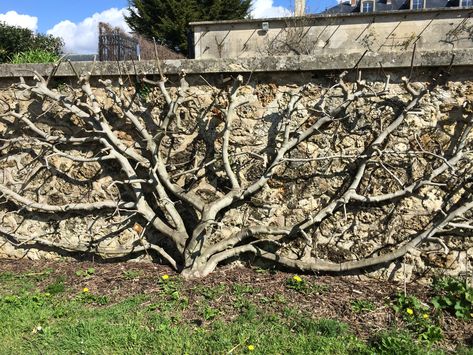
[[278, 66], [316, 172], [394, 31]]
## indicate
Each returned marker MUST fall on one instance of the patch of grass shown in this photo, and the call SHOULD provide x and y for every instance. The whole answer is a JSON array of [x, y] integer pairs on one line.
[[89, 298], [243, 289], [86, 273], [11, 283], [302, 285], [241, 303], [170, 287], [132, 274], [329, 328], [249, 312], [278, 298], [210, 313], [170, 293], [34, 276], [318, 288], [362, 306], [400, 342], [40, 323], [7, 276], [56, 287], [55, 325], [464, 351], [211, 293]]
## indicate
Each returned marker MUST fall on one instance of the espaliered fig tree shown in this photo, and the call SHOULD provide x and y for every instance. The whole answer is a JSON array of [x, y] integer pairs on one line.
[[201, 175]]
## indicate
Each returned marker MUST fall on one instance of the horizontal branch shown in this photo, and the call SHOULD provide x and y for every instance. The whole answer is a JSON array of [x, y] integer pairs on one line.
[[109, 252], [323, 265], [32, 205], [253, 231]]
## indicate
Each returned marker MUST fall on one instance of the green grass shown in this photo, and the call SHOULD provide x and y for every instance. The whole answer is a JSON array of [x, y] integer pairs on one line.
[[362, 306], [130, 327], [53, 319]]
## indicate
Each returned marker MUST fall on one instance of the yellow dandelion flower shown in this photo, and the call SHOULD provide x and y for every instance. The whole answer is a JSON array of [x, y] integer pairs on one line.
[[165, 277], [409, 311], [425, 316], [251, 347], [85, 290], [297, 278]]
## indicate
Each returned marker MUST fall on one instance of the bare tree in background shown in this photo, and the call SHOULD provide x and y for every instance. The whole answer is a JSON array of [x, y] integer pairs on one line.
[[293, 39], [176, 170]]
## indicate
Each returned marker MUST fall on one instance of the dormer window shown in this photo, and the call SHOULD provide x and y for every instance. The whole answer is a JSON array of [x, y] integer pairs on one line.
[[466, 3], [367, 6], [417, 4]]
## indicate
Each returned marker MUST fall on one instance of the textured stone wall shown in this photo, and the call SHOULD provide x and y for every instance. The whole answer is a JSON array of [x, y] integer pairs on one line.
[[315, 173]]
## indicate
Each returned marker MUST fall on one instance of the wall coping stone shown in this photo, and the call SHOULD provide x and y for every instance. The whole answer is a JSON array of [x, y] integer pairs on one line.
[[318, 62]]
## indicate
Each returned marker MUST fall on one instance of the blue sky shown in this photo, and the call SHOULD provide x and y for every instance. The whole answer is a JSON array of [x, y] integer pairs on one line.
[[51, 12], [76, 21]]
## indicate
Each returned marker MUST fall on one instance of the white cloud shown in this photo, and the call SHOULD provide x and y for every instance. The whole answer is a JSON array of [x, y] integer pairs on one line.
[[13, 18], [265, 9], [82, 37]]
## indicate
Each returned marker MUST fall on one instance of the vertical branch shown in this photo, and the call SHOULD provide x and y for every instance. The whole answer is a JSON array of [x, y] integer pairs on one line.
[[230, 113]]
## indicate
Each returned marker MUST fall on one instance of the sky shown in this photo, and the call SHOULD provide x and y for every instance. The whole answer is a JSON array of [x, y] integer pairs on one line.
[[77, 21]]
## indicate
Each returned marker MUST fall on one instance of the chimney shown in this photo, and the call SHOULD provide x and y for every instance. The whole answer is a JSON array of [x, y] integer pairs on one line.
[[299, 8], [353, 3]]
